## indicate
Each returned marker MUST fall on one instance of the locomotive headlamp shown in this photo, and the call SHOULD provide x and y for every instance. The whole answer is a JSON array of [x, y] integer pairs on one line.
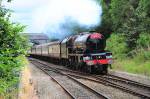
[[90, 63], [86, 58]]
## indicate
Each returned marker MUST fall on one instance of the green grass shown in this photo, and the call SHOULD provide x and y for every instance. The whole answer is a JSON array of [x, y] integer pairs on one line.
[[133, 66]]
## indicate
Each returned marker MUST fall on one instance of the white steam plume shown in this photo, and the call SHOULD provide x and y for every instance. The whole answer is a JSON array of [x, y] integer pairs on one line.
[[50, 17]]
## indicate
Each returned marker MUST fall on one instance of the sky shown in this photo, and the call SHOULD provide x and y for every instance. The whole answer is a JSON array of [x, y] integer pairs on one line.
[[47, 16]]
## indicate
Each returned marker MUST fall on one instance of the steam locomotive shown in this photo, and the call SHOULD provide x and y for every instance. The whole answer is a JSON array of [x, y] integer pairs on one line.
[[85, 52]]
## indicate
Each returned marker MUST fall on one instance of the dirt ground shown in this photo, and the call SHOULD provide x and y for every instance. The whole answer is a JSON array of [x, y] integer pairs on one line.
[[35, 84]]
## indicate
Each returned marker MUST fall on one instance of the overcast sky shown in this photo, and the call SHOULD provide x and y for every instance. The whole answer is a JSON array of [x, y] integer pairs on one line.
[[41, 15], [24, 10]]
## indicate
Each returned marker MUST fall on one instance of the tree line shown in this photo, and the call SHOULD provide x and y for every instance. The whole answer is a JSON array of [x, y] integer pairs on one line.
[[126, 22]]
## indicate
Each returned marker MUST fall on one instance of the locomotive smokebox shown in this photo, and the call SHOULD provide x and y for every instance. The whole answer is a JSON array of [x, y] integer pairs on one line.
[[91, 43]]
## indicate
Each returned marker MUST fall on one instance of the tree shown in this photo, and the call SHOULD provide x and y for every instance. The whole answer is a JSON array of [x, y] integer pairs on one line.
[[143, 13], [106, 25], [12, 46], [125, 20]]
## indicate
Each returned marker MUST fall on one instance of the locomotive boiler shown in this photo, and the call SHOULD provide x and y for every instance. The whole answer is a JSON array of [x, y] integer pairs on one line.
[[85, 52]]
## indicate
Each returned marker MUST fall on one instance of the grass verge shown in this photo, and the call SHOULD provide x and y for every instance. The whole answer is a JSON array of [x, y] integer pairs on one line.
[[132, 66]]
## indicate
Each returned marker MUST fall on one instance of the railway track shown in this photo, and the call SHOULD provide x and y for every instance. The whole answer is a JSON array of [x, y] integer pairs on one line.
[[132, 87], [126, 81], [107, 82], [47, 70], [135, 88]]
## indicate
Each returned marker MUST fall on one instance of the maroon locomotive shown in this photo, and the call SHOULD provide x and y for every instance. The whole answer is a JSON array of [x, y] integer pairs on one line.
[[85, 51]]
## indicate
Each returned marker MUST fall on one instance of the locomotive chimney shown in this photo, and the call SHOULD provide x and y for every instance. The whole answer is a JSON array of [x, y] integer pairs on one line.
[[91, 31]]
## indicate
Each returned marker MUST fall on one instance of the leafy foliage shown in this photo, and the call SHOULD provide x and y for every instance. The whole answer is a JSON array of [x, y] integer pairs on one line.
[[117, 46], [125, 20], [106, 25], [130, 18], [144, 40], [12, 47], [128, 22], [143, 13], [11, 42]]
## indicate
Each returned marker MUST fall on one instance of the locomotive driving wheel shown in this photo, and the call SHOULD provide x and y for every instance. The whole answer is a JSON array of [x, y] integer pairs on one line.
[[105, 69], [90, 69]]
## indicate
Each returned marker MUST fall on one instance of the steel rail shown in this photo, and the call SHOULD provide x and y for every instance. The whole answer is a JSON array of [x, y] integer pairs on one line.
[[107, 83], [103, 81], [125, 80], [70, 94], [101, 96]]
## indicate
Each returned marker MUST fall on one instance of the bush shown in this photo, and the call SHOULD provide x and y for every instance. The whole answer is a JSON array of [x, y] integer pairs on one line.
[[143, 48], [10, 71], [12, 48], [116, 44], [144, 40], [141, 56]]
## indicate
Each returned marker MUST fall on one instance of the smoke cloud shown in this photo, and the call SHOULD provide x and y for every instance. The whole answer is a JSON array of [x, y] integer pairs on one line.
[[58, 18]]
